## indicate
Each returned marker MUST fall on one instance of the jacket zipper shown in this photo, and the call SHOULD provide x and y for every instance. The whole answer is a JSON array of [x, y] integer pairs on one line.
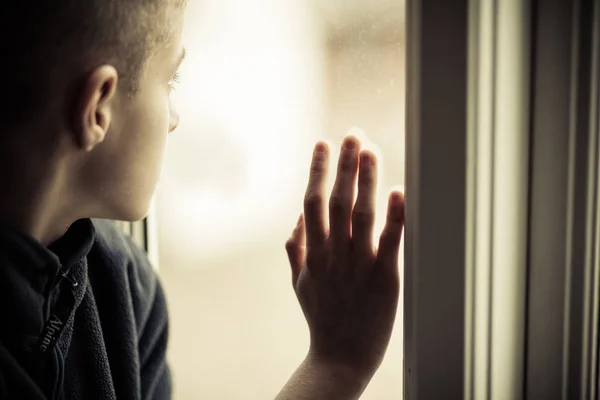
[[55, 324]]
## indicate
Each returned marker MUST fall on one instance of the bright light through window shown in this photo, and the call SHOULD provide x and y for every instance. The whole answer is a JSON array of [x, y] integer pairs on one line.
[[262, 82]]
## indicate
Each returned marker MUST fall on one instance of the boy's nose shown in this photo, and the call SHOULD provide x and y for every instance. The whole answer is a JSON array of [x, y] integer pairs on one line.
[[174, 121]]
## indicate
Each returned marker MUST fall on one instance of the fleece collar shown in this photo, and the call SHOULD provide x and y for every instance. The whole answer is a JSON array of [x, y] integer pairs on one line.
[[29, 274]]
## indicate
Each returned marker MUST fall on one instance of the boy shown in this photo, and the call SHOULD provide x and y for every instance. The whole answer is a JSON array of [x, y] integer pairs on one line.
[[83, 135]]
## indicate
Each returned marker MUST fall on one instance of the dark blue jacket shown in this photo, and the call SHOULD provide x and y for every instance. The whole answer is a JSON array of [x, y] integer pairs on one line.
[[84, 318]]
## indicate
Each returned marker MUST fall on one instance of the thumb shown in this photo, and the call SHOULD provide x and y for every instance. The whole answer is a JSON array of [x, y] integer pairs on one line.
[[296, 248]]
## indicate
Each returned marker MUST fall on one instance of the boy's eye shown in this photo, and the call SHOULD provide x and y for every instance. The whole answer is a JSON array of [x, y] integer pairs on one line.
[[174, 81]]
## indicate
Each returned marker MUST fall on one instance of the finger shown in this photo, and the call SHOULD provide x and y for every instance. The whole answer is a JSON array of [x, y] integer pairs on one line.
[[389, 242], [314, 199], [296, 249], [363, 215], [342, 196]]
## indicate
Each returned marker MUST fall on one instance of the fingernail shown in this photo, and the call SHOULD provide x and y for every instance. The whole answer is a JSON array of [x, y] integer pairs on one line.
[[320, 148], [397, 199], [350, 144], [366, 160]]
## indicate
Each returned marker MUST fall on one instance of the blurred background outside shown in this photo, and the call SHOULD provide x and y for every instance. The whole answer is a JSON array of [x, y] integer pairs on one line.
[[263, 81]]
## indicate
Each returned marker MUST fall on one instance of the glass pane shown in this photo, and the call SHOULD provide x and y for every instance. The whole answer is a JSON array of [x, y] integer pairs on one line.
[[262, 82]]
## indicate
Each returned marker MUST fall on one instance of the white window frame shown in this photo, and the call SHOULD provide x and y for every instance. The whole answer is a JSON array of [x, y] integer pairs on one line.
[[502, 269], [467, 198], [435, 198]]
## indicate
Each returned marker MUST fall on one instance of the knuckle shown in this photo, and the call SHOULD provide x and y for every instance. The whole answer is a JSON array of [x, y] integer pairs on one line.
[[290, 248], [365, 178], [337, 203], [395, 220], [384, 239], [361, 216], [347, 165], [313, 199], [390, 238], [317, 168]]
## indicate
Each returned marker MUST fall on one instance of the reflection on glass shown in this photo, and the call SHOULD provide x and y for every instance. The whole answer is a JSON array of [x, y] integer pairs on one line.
[[264, 80]]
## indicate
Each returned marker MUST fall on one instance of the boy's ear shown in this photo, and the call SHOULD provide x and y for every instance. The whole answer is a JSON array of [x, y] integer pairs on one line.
[[93, 116]]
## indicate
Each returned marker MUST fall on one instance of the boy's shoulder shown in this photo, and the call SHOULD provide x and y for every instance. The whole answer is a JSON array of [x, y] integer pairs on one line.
[[116, 261], [108, 234], [130, 303], [111, 242]]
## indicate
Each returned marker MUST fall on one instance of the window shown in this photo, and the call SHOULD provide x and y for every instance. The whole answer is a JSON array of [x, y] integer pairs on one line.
[[262, 82], [501, 266]]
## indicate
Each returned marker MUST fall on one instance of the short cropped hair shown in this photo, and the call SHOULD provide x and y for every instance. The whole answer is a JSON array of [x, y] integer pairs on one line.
[[47, 44]]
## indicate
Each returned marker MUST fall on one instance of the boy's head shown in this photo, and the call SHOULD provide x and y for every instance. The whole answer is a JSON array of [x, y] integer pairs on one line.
[[87, 110]]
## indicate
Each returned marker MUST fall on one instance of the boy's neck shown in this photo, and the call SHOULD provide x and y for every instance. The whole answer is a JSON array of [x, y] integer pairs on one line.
[[34, 216], [34, 200]]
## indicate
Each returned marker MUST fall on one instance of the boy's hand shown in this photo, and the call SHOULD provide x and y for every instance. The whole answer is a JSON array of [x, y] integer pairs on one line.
[[348, 290]]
